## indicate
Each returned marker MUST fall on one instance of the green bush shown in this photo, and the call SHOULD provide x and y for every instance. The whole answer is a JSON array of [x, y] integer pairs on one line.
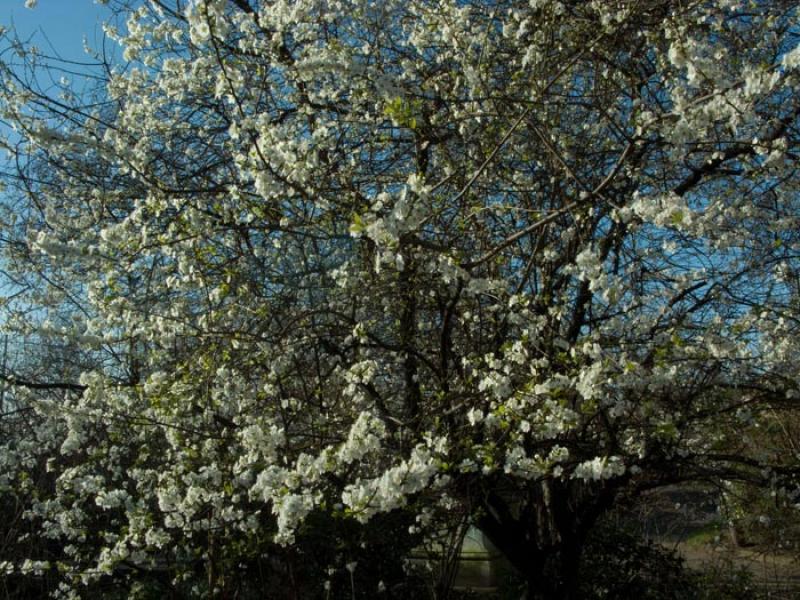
[[618, 564]]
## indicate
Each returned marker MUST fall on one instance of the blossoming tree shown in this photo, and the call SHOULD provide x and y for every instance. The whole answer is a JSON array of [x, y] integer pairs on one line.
[[514, 258]]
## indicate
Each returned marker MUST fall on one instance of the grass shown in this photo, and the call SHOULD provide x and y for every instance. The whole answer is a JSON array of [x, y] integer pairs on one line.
[[711, 533]]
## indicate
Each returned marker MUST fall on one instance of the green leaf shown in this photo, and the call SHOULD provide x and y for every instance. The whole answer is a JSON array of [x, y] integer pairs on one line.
[[357, 226]]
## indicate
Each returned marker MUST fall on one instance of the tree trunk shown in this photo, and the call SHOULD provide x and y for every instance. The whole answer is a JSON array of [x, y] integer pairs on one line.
[[543, 536]]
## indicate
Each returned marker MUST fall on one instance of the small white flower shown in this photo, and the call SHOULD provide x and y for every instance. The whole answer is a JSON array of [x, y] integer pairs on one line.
[[475, 416]]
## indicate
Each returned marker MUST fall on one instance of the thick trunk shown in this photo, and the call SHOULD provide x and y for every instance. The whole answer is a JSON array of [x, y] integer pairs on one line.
[[543, 537], [556, 578], [550, 573]]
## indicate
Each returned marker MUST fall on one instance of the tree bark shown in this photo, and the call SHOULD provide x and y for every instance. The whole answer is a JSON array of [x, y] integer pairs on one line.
[[543, 537]]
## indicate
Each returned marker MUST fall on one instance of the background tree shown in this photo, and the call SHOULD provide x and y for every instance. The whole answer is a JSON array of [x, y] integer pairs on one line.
[[516, 258]]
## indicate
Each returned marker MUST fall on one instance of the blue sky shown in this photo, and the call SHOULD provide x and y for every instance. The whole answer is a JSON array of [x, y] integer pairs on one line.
[[64, 23], [55, 27]]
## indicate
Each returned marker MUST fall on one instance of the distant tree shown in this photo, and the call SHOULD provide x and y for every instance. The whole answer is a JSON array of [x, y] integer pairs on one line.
[[334, 259]]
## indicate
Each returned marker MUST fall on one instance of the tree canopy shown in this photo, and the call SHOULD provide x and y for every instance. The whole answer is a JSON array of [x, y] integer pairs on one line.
[[346, 261]]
